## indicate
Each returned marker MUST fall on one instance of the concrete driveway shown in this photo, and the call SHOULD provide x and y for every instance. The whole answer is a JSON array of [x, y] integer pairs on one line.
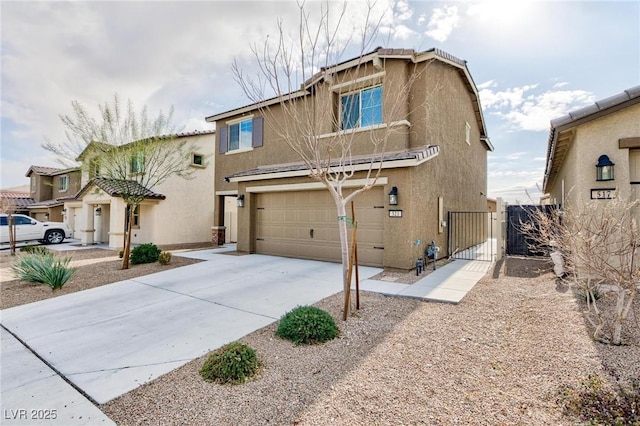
[[112, 339]]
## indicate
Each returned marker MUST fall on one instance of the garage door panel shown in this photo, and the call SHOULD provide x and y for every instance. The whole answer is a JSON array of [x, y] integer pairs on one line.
[[284, 221]]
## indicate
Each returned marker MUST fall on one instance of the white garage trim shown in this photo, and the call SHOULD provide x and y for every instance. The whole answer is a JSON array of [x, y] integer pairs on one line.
[[352, 183]]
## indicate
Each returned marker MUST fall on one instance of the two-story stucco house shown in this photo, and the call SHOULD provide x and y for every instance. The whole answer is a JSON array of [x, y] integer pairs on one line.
[[177, 211], [435, 160], [594, 153], [50, 187]]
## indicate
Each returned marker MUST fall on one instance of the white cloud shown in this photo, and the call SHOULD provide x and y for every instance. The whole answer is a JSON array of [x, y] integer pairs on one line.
[[524, 109], [516, 155], [402, 32], [402, 11], [442, 22]]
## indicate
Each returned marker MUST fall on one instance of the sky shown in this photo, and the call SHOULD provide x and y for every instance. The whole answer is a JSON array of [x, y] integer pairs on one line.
[[531, 61]]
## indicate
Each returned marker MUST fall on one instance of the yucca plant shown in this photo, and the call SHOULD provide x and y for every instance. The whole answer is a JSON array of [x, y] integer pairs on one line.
[[44, 269]]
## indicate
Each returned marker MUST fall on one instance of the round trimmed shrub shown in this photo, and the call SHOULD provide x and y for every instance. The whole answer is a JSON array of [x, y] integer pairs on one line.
[[145, 253], [307, 324], [164, 258], [234, 363]]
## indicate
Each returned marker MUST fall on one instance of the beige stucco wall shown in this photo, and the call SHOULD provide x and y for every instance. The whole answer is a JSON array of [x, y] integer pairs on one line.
[[592, 139], [184, 216]]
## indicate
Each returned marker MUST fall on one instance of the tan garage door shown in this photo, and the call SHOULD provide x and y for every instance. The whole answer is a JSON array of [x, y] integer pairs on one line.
[[304, 224]]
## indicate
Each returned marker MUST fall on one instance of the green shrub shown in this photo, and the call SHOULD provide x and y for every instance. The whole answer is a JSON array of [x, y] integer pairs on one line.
[[44, 269], [145, 253], [35, 250], [595, 403], [234, 363], [307, 324], [164, 258]]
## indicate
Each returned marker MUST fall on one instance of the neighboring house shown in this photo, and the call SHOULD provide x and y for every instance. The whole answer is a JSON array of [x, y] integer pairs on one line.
[[435, 163], [16, 199], [177, 211], [50, 188], [594, 152]]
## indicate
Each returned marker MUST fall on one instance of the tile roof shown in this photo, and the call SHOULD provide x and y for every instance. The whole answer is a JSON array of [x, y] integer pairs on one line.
[[415, 154], [116, 188], [49, 171], [42, 170], [575, 118], [9, 194], [19, 199], [601, 105]]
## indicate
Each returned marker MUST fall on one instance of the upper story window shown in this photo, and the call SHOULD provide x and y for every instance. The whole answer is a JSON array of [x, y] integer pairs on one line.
[[33, 183], [240, 135], [197, 159], [361, 108], [63, 183], [94, 168], [137, 163]]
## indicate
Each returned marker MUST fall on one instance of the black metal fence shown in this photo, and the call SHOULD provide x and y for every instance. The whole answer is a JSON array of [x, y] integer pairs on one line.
[[471, 235], [517, 242]]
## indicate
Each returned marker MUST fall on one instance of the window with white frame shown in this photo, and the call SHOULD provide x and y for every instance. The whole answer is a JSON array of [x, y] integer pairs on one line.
[[63, 183], [33, 183], [361, 108], [240, 135], [197, 159], [137, 163]]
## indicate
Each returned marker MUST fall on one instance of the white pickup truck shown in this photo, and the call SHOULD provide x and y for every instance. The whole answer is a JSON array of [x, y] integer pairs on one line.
[[29, 229]]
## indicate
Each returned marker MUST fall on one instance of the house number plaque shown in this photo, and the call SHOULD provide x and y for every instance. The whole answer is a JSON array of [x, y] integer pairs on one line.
[[395, 213], [603, 193]]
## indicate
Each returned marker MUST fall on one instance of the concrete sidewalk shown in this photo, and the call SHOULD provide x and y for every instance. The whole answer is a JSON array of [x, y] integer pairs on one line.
[[448, 284], [112, 339]]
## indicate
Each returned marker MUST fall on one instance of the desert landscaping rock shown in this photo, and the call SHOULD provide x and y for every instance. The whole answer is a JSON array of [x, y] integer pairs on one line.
[[499, 357]]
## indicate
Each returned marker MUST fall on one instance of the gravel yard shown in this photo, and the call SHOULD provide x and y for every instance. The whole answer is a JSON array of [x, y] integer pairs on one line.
[[96, 267], [499, 357]]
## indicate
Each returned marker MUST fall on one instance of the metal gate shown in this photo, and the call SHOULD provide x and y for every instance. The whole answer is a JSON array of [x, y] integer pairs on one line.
[[518, 243], [471, 235]]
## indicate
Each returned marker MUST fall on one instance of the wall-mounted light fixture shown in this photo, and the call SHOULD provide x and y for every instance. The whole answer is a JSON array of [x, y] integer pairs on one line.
[[240, 200], [604, 168], [46, 216], [99, 211], [393, 196]]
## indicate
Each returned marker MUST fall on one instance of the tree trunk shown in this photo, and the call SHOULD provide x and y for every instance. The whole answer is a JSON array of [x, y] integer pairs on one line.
[[127, 237], [619, 318], [622, 312], [344, 246], [12, 234]]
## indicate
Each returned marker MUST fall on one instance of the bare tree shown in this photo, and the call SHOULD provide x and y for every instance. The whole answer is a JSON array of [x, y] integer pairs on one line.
[[306, 117], [599, 244], [8, 206], [135, 153]]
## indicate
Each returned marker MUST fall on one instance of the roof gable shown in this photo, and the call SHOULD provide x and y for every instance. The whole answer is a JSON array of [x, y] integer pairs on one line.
[[562, 127]]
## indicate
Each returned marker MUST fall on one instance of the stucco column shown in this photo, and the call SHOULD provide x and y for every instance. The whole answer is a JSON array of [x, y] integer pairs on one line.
[[87, 229]]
